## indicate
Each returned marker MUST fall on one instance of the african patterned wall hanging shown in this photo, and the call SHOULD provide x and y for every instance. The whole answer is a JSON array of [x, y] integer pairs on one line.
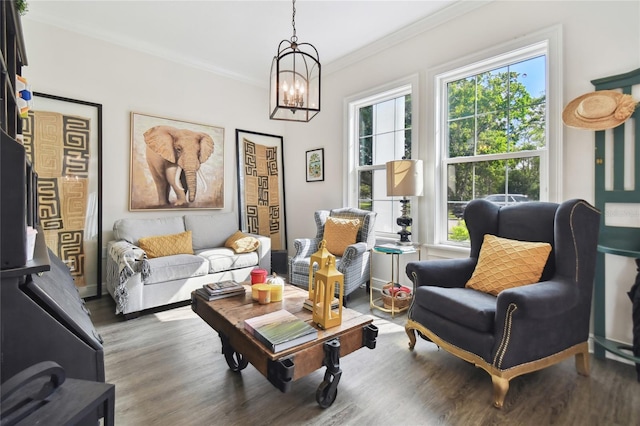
[[175, 164], [62, 138], [261, 186]]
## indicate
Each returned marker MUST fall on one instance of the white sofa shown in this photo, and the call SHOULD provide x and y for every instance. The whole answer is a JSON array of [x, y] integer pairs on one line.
[[137, 283]]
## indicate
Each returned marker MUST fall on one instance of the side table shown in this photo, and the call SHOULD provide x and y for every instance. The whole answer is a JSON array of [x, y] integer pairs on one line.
[[42, 395], [395, 253]]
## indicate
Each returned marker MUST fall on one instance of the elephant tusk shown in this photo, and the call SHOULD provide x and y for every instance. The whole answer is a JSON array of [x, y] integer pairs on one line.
[[202, 180], [177, 182]]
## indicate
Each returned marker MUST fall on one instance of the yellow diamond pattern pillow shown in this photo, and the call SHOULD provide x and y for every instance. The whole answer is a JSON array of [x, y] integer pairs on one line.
[[167, 245], [242, 243], [340, 233], [505, 263]]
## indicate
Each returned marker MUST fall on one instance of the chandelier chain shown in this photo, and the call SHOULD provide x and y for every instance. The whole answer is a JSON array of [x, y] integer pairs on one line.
[[294, 38]]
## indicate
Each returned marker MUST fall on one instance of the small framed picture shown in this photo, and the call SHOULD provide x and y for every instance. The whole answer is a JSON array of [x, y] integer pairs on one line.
[[315, 165]]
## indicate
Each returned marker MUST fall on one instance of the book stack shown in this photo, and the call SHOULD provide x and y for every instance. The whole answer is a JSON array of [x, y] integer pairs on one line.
[[220, 290], [280, 330], [308, 304], [395, 248]]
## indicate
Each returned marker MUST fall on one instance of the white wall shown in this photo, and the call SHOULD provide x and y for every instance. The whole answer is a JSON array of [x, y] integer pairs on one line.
[[67, 64], [600, 38]]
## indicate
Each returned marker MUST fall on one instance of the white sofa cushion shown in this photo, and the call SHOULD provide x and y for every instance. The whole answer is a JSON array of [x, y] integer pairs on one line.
[[132, 230], [224, 259], [210, 230], [176, 267]]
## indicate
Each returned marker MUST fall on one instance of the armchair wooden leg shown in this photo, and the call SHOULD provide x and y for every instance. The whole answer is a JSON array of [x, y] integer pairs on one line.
[[582, 363], [500, 389], [411, 332]]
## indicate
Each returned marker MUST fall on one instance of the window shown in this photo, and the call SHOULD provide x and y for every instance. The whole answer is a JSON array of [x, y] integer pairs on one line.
[[494, 140], [380, 130]]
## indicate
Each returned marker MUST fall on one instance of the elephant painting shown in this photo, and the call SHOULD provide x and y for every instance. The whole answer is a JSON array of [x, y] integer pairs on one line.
[[174, 157]]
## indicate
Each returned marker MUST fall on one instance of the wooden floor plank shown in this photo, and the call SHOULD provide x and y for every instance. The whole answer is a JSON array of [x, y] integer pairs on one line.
[[168, 370]]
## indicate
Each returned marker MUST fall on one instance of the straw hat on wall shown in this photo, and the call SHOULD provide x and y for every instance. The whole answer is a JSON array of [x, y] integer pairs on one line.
[[600, 110]]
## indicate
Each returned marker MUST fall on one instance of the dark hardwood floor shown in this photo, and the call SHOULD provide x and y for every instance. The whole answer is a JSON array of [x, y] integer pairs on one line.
[[168, 370]]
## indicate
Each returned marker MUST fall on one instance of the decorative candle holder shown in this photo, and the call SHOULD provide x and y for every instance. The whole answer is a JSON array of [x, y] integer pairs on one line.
[[327, 280], [318, 258]]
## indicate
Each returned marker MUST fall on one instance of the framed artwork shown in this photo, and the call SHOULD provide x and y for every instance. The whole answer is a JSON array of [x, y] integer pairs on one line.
[[63, 140], [261, 186], [175, 164], [315, 165]]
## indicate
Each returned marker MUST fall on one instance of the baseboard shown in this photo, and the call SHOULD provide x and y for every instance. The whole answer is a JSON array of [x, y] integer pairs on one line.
[[611, 355], [377, 283], [91, 290]]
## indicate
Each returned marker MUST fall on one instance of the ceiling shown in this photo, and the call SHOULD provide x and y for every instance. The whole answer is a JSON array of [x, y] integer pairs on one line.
[[238, 38]]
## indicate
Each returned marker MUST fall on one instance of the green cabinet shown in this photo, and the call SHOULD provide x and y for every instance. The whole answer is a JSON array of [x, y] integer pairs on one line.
[[615, 239]]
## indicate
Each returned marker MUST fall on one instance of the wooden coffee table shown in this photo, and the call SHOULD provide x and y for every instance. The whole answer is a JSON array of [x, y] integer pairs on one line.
[[282, 368]]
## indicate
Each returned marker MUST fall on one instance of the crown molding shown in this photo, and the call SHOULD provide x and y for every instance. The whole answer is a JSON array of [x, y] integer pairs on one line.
[[439, 18], [146, 48], [427, 23]]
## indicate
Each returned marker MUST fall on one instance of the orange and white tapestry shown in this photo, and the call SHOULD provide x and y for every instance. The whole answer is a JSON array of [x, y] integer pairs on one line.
[[262, 198], [58, 147]]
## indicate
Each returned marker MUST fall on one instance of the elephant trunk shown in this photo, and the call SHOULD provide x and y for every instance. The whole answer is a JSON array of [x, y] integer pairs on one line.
[[191, 184]]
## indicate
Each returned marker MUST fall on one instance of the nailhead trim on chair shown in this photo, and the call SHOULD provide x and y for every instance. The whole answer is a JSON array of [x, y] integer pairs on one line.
[[413, 296], [573, 234], [502, 349]]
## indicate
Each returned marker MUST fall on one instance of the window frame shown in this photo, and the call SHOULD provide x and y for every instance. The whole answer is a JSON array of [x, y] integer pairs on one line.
[[547, 42], [352, 104]]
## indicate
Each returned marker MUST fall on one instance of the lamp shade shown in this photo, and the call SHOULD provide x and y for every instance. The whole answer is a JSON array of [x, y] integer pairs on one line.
[[404, 178]]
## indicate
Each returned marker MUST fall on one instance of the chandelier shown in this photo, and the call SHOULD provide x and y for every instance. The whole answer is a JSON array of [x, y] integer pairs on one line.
[[294, 93]]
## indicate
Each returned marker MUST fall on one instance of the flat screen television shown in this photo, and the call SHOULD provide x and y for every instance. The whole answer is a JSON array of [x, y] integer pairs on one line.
[[13, 202]]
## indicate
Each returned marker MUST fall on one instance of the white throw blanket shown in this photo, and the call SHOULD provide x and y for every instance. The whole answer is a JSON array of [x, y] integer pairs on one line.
[[126, 260]]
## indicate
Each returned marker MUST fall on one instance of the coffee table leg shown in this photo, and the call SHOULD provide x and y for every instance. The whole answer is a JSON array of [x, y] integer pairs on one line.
[[235, 360], [328, 389], [370, 336], [280, 373]]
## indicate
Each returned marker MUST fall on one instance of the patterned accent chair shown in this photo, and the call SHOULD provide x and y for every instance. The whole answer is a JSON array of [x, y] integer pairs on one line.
[[525, 328], [354, 263]]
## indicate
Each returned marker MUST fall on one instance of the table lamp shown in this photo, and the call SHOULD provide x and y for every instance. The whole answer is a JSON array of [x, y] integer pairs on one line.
[[404, 179]]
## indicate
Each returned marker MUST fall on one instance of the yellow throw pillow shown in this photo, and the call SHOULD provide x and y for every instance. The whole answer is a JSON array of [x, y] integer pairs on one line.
[[167, 245], [505, 263], [242, 243], [340, 233]]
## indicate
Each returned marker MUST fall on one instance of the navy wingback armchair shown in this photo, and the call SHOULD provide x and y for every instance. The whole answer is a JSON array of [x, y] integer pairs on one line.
[[525, 328]]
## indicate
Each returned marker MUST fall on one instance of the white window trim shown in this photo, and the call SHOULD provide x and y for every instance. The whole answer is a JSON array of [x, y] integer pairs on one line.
[[351, 136], [552, 37]]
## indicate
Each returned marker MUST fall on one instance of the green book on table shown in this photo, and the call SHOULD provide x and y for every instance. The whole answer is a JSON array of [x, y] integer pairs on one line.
[[280, 330], [394, 248]]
